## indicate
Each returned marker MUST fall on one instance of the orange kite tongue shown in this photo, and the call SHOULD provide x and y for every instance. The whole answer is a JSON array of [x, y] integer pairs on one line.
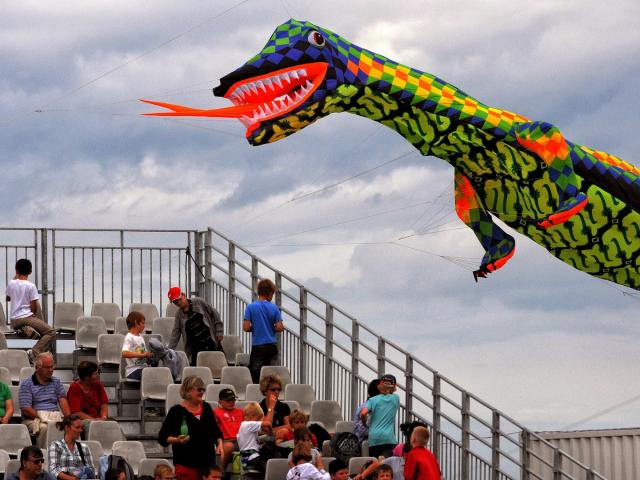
[[181, 111]]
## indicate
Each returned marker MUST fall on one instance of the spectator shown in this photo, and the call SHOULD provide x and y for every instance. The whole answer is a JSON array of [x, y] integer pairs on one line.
[[87, 396], [303, 436], [297, 420], [302, 468], [191, 429], [360, 428], [384, 472], [68, 458], [255, 422], [229, 419], [383, 409], [263, 319], [271, 386], [31, 466], [134, 350], [24, 317], [395, 462], [212, 472], [6, 403], [197, 322], [42, 399], [163, 472], [338, 470], [115, 473], [421, 464]]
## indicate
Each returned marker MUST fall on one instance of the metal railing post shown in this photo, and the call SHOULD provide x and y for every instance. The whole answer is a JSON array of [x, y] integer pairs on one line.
[[44, 268], [495, 445], [381, 357], [278, 300], [557, 464], [303, 335], [208, 268], [201, 283], [525, 457], [408, 390], [466, 424], [254, 278], [231, 294], [437, 419], [328, 352], [355, 345]]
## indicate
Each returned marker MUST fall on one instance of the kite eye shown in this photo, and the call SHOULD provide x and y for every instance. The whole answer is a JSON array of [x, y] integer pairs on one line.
[[316, 39]]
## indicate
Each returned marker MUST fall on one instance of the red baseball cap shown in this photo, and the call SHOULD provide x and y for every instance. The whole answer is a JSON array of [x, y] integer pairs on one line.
[[174, 293]]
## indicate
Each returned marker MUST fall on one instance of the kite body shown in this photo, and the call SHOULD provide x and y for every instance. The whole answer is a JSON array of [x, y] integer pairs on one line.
[[580, 204]]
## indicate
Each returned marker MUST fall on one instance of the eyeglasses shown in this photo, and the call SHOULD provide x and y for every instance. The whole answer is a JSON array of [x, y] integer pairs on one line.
[[176, 302], [37, 461]]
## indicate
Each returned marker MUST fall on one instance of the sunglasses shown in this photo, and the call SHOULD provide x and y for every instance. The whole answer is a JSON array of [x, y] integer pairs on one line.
[[201, 390], [37, 461], [176, 302], [275, 389]]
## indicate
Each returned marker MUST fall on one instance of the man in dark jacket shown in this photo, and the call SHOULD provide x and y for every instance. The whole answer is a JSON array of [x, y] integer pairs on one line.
[[197, 322]]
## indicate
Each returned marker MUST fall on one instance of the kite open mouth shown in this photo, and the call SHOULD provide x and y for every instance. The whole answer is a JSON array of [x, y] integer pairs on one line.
[[260, 98]]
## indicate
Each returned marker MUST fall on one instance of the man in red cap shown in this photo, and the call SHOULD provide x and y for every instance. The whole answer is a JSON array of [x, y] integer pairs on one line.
[[197, 322]]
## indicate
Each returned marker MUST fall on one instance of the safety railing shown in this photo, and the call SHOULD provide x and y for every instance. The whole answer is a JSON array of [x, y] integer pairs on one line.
[[326, 347]]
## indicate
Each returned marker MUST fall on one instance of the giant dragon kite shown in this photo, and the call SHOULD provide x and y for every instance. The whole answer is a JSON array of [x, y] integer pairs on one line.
[[581, 204]]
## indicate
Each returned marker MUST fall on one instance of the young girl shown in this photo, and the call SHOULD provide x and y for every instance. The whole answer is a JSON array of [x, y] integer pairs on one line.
[[303, 469], [297, 420], [303, 436]]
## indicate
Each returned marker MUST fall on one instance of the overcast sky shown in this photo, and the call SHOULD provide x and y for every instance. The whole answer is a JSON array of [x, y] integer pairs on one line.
[[547, 344]]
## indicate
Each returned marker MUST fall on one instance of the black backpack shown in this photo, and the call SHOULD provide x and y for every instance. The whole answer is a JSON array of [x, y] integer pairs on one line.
[[345, 445], [118, 462]]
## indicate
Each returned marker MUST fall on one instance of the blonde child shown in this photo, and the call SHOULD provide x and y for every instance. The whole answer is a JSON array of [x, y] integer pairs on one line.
[[297, 420], [252, 426]]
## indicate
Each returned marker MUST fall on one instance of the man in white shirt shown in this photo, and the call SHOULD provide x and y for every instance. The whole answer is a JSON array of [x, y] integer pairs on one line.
[[24, 297]]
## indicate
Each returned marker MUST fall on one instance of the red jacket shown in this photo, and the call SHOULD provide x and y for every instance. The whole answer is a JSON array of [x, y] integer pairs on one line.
[[421, 464]]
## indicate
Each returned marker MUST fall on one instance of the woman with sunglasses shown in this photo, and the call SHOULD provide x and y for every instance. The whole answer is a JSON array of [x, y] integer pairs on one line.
[[191, 429], [271, 386]]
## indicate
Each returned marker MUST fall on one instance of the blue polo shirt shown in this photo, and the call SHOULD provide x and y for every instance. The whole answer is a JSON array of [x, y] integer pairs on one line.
[[41, 396]]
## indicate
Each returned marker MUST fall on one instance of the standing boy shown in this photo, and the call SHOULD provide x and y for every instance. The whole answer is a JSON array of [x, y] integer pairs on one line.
[[23, 296], [421, 464], [134, 350], [263, 319], [382, 410]]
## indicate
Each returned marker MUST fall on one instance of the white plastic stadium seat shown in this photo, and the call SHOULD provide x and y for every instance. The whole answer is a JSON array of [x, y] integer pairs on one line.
[[328, 412], [5, 376], [12, 467], [149, 310], [170, 310], [96, 452], [252, 393], [109, 351], [65, 316], [3, 339], [213, 392], [154, 383], [15, 395], [132, 451], [4, 459], [277, 469], [89, 328], [356, 463], [231, 344], [26, 372], [239, 377], [109, 312], [121, 326], [280, 371], [164, 327], [14, 360], [216, 361], [13, 437], [344, 426], [203, 372], [148, 465], [106, 432], [173, 396], [302, 393]]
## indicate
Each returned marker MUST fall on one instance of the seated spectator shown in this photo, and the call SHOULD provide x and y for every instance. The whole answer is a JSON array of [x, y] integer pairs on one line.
[[6, 403], [68, 458], [361, 429], [31, 466], [395, 462], [134, 350], [42, 399], [297, 420], [271, 386], [163, 472], [254, 458], [302, 436], [212, 472], [229, 419], [421, 464], [302, 468], [338, 470], [87, 396]]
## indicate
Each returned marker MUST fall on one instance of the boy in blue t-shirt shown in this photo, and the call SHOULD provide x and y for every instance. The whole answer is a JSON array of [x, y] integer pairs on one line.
[[263, 319], [382, 410]]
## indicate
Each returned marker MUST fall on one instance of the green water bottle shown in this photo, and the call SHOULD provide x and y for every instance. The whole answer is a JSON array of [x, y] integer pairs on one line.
[[184, 428]]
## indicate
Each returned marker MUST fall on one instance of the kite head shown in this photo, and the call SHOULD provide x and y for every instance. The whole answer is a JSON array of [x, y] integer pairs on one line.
[[284, 87]]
